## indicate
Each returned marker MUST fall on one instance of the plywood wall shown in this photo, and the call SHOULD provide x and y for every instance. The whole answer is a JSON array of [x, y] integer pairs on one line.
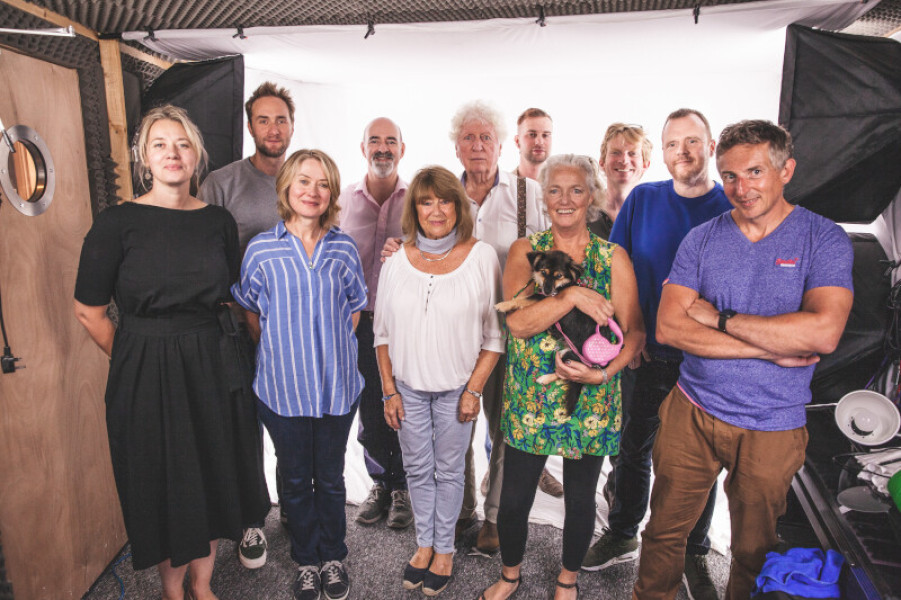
[[59, 513]]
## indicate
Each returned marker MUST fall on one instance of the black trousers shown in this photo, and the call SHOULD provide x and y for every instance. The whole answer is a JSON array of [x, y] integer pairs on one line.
[[521, 473]]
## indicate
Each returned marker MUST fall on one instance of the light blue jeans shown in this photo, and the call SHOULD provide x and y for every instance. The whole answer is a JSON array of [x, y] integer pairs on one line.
[[433, 443]]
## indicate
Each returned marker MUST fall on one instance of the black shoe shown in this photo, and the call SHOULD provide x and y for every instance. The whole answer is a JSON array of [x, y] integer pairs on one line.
[[375, 506], [463, 525], [569, 586], [413, 576], [400, 514], [335, 583], [307, 584], [433, 584], [517, 581]]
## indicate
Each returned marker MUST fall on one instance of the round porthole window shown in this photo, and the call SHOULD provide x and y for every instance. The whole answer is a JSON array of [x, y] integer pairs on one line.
[[27, 176]]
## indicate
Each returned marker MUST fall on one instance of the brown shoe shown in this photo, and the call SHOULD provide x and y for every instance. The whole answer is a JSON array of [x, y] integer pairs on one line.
[[549, 485], [488, 541]]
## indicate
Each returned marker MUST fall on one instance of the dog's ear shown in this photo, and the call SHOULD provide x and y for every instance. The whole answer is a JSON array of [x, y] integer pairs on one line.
[[534, 257]]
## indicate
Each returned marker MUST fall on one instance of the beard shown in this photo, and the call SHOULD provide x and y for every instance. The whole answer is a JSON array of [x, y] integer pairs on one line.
[[536, 158], [263, 149], [690, 173], [382, 164]]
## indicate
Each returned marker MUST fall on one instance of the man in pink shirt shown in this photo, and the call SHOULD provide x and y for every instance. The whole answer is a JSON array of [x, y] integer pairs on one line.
[[370, 214]]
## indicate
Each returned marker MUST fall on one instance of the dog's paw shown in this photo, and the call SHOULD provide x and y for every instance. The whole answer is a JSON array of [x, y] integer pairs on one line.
[[506, 306], [546, 379]]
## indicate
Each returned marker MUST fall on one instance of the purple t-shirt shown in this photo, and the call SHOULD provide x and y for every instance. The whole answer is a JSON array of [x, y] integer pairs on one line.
[[768, 277]]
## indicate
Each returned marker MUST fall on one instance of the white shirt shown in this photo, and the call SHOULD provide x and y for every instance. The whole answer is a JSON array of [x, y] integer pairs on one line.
[[436, 325], [495, 220]]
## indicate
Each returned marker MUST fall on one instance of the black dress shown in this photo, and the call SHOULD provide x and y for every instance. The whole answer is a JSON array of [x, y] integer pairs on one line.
[[182, 426]]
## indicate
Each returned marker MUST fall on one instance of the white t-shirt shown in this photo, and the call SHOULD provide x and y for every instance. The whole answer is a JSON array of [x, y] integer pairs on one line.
[[436, 325]]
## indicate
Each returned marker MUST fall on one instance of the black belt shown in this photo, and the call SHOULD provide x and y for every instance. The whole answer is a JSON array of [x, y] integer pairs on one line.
[[168, 324]]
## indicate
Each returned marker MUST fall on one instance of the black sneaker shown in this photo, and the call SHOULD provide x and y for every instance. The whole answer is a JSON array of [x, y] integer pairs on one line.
[[307, 584], [375, 506], [335, 583], [696, 578], [252, 549], [400, 515]]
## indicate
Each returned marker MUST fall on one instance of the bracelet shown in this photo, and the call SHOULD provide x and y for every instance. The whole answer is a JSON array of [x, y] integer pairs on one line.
[[387, 397], [604, 373], [476, 394]]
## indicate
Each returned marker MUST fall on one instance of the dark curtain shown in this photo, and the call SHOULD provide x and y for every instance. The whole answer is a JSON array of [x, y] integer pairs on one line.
[[213, 94], [841, 101]]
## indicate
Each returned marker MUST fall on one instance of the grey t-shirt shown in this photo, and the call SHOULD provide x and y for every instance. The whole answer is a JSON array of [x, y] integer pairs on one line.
[[247, 193]]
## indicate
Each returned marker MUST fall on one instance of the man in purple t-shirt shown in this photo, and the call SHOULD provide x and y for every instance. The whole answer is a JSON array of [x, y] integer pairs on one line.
[[754, 296]]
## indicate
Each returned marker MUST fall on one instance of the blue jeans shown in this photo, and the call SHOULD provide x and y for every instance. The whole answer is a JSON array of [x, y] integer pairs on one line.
[[381, 450], [654, 380], [434, 444], [310, 454]]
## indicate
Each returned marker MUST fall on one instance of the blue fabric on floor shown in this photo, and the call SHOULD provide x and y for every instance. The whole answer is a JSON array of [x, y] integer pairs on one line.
[[805, 572]]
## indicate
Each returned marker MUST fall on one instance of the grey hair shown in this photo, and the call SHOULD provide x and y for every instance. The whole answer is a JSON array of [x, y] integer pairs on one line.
[[478, 110], [589, 169]]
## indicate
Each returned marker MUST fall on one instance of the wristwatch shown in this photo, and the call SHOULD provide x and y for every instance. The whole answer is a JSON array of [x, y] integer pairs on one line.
[[725, 315]]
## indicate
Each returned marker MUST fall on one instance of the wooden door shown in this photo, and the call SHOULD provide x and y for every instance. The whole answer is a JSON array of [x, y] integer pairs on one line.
[[59, 514]]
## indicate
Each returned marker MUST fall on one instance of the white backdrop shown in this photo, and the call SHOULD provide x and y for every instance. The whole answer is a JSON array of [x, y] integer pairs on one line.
[[586, 71]]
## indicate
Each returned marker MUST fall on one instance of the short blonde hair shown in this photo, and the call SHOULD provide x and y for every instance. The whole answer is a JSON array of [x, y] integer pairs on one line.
[[286, 174], [633, 134], [440, 183], [167, 112], [589, 169]]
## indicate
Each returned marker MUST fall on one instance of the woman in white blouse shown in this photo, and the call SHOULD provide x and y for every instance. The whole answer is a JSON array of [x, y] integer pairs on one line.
[[437, 338]]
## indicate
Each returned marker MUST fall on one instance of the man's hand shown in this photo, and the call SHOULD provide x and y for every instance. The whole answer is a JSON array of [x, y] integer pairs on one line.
[[704, 313], [391, 246], [795, 361]]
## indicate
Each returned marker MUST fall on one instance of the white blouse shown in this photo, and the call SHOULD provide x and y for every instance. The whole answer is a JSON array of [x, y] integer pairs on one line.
[[436, 325]]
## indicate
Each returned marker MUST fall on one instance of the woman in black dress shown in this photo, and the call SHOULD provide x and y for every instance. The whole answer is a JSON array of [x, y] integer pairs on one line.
[[183, 433]]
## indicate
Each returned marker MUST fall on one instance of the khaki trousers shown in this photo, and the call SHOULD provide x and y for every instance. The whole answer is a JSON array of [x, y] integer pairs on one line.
[[692, 447]]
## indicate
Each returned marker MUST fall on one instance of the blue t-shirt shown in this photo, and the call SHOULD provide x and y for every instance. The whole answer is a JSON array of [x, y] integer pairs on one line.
[[768, 277], [651, 224], [307, 355]]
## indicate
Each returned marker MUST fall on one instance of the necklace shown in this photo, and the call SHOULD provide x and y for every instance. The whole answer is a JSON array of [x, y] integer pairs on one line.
[[445, 255]]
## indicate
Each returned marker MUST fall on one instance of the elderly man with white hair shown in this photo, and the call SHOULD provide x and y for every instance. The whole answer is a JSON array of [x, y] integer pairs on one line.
[[504, 207]]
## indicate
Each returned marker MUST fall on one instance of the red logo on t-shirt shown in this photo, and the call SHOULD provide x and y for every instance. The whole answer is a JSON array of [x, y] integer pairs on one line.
[[787, 262]]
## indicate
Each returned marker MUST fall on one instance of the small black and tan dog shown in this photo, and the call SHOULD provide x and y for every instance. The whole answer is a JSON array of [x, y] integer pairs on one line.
[[553, 271]]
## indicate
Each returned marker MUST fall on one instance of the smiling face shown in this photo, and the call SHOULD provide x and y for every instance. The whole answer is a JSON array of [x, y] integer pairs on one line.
[[478, 147], [383, 148], [624, 164], [533, 138], [309, 194], [754, 185], [436, 216], [567, 196], [687, 149], [270, 126], [171, 158]]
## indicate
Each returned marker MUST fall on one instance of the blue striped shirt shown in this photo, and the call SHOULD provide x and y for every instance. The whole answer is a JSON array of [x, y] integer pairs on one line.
[[307, 355]]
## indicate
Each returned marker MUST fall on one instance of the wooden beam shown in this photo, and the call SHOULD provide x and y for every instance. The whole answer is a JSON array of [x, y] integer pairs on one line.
[[111, 62], [143, 56], [52, 17]]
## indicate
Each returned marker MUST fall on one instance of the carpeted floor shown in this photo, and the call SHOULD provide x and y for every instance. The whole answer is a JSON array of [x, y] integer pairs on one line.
[[377, 557]]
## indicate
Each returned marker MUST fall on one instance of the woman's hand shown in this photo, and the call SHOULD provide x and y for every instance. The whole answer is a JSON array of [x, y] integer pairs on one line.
[[394, 411], [589, 302], [573, 370], [469, 407]]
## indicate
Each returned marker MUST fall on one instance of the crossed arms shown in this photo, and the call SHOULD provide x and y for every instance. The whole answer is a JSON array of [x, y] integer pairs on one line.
[[689, 322]]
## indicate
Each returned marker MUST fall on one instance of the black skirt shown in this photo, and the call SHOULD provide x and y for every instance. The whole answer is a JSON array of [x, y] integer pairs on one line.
[[184, 437]]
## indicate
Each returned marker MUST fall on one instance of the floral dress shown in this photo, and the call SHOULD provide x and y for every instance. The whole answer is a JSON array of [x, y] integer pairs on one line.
[[534, 417]]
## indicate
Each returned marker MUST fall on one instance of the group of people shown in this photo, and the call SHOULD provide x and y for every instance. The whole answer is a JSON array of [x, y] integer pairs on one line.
[[279, 298]]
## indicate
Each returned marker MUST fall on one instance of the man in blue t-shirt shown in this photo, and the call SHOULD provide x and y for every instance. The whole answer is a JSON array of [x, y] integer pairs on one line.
[[650, 226], [754, 296]]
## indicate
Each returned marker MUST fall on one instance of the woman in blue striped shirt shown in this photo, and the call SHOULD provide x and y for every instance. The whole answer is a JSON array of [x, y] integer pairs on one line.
[[302, 284]]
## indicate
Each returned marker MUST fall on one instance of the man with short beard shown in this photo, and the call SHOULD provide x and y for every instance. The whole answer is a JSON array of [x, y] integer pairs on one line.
[[650, 226], [370, 213], [534, 131], [246, 188]]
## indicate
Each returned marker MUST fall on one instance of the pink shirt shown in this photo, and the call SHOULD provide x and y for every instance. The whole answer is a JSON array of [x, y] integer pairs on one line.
[[370, 225]]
